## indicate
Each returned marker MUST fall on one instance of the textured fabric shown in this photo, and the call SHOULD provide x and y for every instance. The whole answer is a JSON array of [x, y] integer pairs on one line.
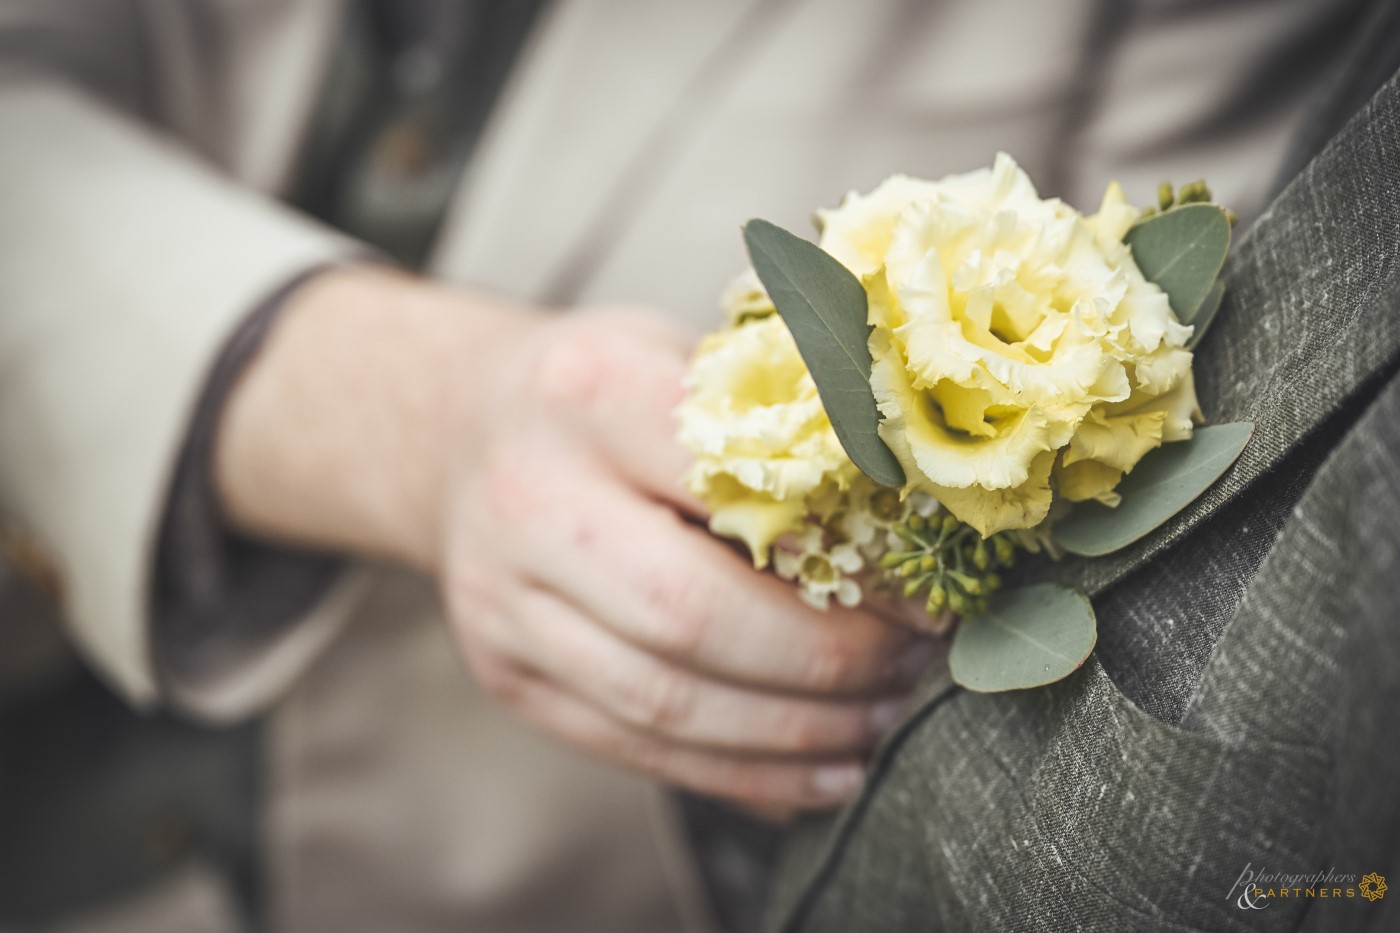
[[1236, 712], [221, 601]]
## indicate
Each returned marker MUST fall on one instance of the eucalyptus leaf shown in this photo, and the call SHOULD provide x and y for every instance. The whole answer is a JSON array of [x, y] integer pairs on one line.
[[1182, 250], [824, 306], [1028, 637], [1162, 484], [1205, 316]]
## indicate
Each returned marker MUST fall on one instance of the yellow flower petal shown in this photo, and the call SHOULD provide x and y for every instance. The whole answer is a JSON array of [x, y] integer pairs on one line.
[[919, 435], [859, 232], [993, 510], [1115, 217], [1117, 442], [756, 519], [1089, 479], [1179, 407]]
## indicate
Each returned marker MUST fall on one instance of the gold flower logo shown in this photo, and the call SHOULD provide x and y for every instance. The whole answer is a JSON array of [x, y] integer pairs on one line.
[[1373, 887]]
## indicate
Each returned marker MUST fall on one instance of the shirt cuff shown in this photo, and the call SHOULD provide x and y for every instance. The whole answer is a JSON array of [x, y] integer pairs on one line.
[[227, 610]]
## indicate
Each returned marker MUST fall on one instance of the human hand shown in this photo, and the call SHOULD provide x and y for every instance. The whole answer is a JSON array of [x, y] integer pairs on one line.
[[528, 462], [586, 602]]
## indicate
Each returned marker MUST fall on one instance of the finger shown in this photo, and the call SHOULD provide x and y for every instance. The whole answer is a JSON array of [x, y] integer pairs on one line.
[[547, 634], [770, 784], [638, 439], [678, 592], [909, 613], [624, 394]]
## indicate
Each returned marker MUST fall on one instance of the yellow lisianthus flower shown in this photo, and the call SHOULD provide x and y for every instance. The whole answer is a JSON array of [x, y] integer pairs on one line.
[[1016, 347], [762, 442]]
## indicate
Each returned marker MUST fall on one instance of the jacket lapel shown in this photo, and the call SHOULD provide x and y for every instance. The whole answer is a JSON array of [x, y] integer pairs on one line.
[[554, 162], [1310, 327], [1305, 327]]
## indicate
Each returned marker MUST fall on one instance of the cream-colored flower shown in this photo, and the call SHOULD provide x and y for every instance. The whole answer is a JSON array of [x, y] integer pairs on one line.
[[821, 572], [762, 443], [1016, 347], [745, 298], [870, 512]]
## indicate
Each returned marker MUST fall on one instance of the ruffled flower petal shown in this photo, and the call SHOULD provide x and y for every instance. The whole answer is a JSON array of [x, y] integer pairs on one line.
[[994, 510]]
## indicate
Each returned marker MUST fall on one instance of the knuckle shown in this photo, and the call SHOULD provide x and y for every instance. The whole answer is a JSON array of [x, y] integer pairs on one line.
[[577, 369], [753, 786], [680, 608], [646, 757], [835, 667], [662, 702], [496, 678], [806, 732]]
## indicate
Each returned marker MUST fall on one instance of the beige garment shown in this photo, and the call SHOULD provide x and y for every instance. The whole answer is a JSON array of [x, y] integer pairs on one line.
[[142, 146]]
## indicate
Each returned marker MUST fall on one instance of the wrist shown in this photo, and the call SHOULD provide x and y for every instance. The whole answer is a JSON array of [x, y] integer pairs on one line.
[[342, 431]]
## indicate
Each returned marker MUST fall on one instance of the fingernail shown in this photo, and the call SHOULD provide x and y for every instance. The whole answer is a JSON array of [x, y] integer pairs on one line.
[[885, 715], [837, 782], [915, 661]]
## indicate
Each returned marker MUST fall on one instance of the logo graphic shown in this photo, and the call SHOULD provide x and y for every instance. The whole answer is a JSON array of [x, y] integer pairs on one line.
[[1373, 887]]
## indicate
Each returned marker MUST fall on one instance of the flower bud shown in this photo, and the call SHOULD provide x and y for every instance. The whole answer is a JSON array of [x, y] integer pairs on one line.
[[981, 557], [892, 559], [1165, 197]]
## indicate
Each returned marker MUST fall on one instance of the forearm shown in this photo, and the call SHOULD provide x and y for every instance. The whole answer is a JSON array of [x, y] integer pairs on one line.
[[340, 433]]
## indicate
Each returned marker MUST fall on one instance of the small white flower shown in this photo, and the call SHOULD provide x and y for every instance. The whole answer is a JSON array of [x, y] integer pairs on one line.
[[872, 512], [821, 572]]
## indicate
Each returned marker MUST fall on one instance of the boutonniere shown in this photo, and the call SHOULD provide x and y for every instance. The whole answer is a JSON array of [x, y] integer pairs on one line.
[[959, 371]]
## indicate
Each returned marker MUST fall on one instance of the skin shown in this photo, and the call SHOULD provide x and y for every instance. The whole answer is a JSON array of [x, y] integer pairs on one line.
[[526, 461]]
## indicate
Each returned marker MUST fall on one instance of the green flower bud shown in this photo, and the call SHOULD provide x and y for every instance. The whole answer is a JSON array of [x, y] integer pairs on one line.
[[928, 563], [937, 599], [913, 586], [957, 602], [992, 582], [1193, 192], [950, 525], [969, 584], [917, 522], [1006, 551], [981, 557], [892, 559], [1165, 198]]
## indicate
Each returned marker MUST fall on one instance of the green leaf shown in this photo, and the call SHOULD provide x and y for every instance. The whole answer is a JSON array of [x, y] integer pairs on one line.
[[1028, 637], [824, 307], [1162, 484], [1205, 315], [1182, 250]]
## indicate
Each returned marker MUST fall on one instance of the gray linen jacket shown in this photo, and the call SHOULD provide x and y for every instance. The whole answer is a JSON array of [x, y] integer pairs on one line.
[[1238, 717]]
